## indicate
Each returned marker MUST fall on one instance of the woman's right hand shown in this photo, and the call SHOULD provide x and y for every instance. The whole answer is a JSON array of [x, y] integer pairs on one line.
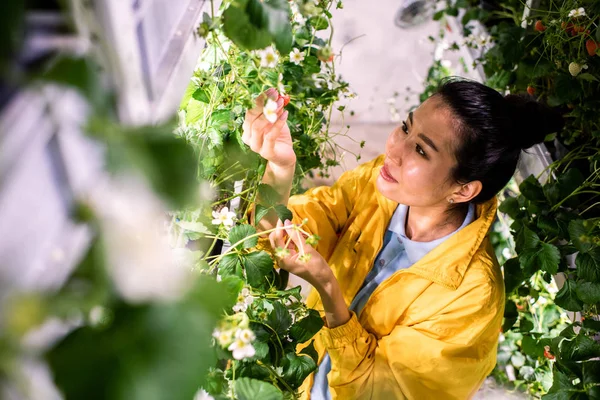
[[273, 141]]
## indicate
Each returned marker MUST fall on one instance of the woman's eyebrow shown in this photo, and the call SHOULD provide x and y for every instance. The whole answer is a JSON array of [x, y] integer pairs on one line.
[[426, 139]]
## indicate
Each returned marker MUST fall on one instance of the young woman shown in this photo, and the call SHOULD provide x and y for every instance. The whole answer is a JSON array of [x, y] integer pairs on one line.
[[404, 274]]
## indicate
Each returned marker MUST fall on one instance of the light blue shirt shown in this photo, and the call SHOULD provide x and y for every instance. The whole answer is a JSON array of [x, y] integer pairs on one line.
[[398, 252]]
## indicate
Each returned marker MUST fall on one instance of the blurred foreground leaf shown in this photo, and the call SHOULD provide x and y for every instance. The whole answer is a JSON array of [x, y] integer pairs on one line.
[[156, 351]]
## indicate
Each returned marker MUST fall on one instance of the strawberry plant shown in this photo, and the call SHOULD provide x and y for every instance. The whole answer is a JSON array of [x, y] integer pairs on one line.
[[555, 224], [252, 46]]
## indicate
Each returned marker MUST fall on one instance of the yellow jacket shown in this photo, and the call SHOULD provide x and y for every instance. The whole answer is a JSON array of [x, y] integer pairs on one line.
[[429, 331]]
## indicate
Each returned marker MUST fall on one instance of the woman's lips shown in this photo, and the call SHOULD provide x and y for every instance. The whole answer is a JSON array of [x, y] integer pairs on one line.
[[385, 174]]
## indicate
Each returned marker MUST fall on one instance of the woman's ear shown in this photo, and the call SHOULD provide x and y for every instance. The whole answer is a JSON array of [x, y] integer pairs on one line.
[[467, 192]]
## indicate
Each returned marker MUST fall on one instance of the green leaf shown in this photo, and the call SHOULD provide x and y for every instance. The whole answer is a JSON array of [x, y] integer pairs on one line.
[[310, 351], [240, 232], [549, 257], [532, 189], [296, 368], [591, 373], [142, 350], [272, 15], [562, 387], [586, 76], [230, 265], [253, 389], [578, 233], [279, 319], [201, 95], [319, 23], [528, 239], [511, 207], [438, 15], [259, 213], [580, 348], [258, 264], [307, 327], [513, 275], [588, 267], [283, 212], [531, 347], [238, 27], [567, 297], [268, 195], [588, 292], [548, 225], [525, 325]]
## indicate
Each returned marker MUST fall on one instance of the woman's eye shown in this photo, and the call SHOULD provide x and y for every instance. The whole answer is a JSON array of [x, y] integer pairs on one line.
[[404, 127], [420, 151]]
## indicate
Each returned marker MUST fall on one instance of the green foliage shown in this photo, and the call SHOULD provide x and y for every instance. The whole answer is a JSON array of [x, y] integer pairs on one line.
[[256, 338]]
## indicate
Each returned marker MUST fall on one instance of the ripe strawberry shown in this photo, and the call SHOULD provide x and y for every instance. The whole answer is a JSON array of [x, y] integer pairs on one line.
[[592, 46], [539, 26], [286, 99], [568, 27], [547, 353], [530, 90]]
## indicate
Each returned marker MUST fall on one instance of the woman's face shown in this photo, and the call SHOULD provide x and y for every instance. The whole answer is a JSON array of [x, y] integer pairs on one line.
[[419, 156]]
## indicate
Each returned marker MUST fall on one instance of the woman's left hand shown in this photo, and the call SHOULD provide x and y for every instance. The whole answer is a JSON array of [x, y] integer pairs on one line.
[[300, 259]]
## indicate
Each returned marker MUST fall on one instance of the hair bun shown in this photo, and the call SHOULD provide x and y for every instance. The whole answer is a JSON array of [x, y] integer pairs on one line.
[[533, 121]]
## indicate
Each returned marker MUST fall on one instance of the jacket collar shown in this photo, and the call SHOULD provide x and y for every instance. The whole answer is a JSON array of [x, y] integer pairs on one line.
[[447, 263]]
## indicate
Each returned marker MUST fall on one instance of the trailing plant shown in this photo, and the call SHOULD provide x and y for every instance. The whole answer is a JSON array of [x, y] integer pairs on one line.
[[252, 46], [555, 224]]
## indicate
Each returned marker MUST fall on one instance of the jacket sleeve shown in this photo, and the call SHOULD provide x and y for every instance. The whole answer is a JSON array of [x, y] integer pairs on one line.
[[445, 357], [327, 208]]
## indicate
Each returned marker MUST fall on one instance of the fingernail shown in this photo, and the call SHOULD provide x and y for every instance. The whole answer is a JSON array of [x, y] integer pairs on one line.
[[280, 103], [287, 222], [283, 115], [272, 93]]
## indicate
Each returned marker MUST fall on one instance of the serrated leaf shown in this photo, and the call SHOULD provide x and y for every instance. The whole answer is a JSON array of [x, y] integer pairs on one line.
[[562, 387], [588, 292], [230, 265], [268, 195], [532, 189], [296, 368], [253, 389], [513, 275], [586, 76], [307, 327], [311, 351], [201, 95], [283, 212], [567, 297], [319, 23], [238, 27], [258, 264], [259, 213], [580, 348], [511, 207], [527, 239], [588, 267], [549, 257], [525, 325], [577, 232], [239, 233], [279, 319]]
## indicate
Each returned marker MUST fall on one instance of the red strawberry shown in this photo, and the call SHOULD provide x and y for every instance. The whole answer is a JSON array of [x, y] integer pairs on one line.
[[539, 26], [591, 46], [530, 90], [286, 99], [547, 353], [568, 27]]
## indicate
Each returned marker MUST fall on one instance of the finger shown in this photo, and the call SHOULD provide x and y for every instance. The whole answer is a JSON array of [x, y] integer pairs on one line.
[[258, 134], [272, 134], [294, 234], [270, 93]]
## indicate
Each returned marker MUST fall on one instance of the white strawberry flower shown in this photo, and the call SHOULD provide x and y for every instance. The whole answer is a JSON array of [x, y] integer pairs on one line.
[[578, 12], [245, 335], [223, 216], [223, 337], [270, 111], [241, 349], [296, 56], [202, 394], [240, 307], [268, 57]]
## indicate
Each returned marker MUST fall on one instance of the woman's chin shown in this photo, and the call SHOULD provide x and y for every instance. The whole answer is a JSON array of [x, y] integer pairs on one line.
[[386, 188]]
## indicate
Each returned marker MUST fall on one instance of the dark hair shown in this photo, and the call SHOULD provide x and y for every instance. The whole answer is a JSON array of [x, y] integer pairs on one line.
[[493, 129]]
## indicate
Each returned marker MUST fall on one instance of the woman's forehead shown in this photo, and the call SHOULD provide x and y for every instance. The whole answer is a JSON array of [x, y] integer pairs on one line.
[[435, 120]]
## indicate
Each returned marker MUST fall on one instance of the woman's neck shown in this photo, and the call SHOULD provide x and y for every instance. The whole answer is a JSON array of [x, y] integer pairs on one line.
[[424, 224]]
